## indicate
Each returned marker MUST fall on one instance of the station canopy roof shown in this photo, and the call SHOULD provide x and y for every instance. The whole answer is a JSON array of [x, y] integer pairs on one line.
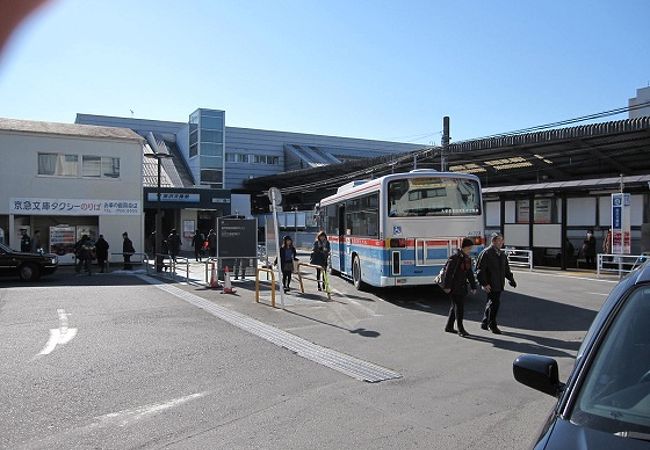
[[599, 150]]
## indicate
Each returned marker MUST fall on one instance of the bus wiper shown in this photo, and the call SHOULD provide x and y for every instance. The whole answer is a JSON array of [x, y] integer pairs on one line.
[[634, 435]]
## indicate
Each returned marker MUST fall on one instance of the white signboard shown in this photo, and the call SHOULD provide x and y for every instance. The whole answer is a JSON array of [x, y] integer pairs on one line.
[[73, 207], [621, 224]]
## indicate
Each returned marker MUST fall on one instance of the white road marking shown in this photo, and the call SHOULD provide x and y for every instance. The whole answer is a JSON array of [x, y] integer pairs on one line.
[[597, 293], [128, 416], [59, 336]]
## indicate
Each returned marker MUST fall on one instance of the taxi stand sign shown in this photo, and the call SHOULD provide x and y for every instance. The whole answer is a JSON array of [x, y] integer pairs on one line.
[[621, 224]]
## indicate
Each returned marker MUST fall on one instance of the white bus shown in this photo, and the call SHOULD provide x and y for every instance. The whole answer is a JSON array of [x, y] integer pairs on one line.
[[399, 229]]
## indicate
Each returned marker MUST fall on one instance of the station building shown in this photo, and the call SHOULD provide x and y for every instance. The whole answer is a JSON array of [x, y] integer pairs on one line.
[[211, 161], [543, 190], [66, 180]]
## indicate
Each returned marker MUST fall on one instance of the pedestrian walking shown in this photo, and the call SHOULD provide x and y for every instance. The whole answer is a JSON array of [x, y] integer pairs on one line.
[[589, 249], [287, 257], [458, 273], [320, 253], [127, 251], [101, 251], [173, 244], [37, 245], [25, 241], [492, 271], [212, 243], [197, 243]]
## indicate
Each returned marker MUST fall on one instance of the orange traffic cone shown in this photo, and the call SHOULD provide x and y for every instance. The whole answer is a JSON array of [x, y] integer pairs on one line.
[[213, 277], [227, 287]]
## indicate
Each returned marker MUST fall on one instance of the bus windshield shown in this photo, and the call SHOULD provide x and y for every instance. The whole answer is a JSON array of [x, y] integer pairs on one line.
[[433, 196]]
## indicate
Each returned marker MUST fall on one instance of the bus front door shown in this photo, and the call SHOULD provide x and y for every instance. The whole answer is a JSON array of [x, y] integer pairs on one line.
[[342, 243]]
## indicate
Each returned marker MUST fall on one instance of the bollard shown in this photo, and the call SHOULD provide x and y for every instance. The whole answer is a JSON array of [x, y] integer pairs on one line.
[[213, 277]]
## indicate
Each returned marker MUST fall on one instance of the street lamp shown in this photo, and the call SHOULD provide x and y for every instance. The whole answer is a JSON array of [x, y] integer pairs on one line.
[[158, 225]]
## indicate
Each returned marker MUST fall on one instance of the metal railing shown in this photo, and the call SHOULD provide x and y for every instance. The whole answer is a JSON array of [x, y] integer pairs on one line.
[[169, 266], [618, 264], [326, 281], [257, 283], [137, 258], [520, 258]]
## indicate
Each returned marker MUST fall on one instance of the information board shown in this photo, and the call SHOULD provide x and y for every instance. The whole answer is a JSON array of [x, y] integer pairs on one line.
[[621, 224], [237, 238]]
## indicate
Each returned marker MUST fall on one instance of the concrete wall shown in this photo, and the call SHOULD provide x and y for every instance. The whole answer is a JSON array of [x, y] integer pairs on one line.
[[642, 96]]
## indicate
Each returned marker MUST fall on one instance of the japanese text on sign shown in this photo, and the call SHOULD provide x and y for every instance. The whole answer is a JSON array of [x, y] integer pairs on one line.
[[73, 207]]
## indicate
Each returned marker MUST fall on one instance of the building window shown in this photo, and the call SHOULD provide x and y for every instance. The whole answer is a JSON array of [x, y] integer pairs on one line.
[[58, 165], [211, 176], [110, 167], [252, 159], [91, 166], [100, 167]]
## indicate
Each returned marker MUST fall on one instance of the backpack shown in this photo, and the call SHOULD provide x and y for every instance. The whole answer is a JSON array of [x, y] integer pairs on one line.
[[440, 278]]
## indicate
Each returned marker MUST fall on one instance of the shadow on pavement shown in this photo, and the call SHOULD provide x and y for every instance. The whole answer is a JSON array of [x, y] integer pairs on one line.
[[521, 347], [360, 331], [517, 310]]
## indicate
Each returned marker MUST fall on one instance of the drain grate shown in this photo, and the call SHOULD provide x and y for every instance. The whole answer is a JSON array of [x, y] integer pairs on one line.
[[349, 365]]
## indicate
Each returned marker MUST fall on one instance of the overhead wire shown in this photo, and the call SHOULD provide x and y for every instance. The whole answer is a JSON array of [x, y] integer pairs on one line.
[[394, 160]]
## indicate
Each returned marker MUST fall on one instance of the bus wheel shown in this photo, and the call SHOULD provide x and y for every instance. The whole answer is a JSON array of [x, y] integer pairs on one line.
[[356, 274]]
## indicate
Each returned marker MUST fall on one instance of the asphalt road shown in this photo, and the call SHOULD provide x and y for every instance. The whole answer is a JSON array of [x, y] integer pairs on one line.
[[137, 367]]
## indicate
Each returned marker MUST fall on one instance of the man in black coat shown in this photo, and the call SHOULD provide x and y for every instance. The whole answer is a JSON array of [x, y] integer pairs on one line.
[[492, 271], [197, 243], [127, 251], [101, 251], [173, 244]]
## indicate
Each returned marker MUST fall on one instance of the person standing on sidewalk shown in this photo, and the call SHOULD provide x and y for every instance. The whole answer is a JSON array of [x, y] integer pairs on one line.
[[212, 243], [127, 251], [458, 272], [173, 244], [320, 252], [25, 241], [101, 250], [197, 243], [492, 271], [286, 259], [589, 249]]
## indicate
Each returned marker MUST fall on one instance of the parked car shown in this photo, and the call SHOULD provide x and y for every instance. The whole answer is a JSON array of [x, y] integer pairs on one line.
[[28, 266], [605, 403]]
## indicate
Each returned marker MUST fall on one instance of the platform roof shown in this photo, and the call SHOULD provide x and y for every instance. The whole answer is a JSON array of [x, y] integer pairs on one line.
[[599, 150]]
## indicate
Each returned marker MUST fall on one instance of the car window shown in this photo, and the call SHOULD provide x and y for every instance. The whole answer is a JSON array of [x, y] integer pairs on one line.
[[615, 395]]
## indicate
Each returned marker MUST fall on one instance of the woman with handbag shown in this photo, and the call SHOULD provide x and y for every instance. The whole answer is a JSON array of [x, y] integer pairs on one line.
[[319, 255], [287, 257], [458, 273]]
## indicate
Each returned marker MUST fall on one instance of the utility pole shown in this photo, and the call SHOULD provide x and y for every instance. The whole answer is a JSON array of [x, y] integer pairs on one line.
[[445, 144]]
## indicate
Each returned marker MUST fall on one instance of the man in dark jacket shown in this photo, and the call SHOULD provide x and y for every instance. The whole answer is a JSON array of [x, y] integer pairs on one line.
[[101, 250], [212, 243], [127, 251], [25, 242], [173, 244], [492, 271], [197, 243]]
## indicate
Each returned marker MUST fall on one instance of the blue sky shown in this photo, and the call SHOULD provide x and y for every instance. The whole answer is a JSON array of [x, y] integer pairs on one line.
[[372, 69]]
